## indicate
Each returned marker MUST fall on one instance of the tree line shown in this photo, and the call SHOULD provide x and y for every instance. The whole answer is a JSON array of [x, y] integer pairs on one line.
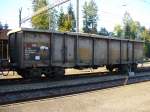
[[3, 26], [62, 21], [133, 30]]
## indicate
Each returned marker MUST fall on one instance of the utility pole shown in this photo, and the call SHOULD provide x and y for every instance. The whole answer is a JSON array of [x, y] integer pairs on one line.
[[49, 21], [77, 16], [20, 14], [77, 30], [125, 8]]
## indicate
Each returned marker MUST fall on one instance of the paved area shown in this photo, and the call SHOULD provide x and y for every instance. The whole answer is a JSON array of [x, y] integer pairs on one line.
[[129, 98]]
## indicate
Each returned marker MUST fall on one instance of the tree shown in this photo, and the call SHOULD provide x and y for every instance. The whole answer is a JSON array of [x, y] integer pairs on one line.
[[118, 31], [66, 22], [53, 16], [40, 21], [46, 20], [145, 34], [72, 18], [103, 31], [61, 19], [146, 37], [127, 20], [6, 26], [1, 26], [90, 17], [133, 30], [130, 30]]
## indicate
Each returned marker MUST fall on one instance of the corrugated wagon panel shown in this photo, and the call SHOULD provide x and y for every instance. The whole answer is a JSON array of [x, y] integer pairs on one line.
[[57, 49], [42, 48], [100, 51], [130, 52], [36, 49], [124, 52], [114, 55], [85, 51], [70, 50], [138, 51]]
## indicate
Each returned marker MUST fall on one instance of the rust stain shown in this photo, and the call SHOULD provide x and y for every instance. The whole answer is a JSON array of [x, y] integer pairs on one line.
[[85, 53]]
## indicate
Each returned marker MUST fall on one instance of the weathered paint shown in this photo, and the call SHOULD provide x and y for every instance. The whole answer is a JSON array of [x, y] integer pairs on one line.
[[85, 54], [64, 49], [114, 56], [124, 52], [138, 52], [100, 54], [36, 49], [85, 51]]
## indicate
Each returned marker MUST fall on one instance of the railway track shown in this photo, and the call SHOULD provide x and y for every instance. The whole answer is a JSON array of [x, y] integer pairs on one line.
[[69, 85], [16, 81]]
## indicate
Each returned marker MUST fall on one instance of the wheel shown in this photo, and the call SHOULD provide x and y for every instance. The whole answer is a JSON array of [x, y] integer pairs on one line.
[[134, 67], [24, 74], [49, 73], [55, 72], [58, 72], [110, 68], [126, 68], [29, 73]]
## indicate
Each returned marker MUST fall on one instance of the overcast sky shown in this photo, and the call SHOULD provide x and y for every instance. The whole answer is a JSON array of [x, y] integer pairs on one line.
[[110, 12]]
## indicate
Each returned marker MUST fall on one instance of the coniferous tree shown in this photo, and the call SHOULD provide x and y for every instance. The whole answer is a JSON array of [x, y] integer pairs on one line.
[[103, 31], [40, 21], [45, 20], [118, 31], [72, 18], [66, 22], [61, 19], [90, 17], [127, 20], [1, 26], [53, 16], [131, 27]]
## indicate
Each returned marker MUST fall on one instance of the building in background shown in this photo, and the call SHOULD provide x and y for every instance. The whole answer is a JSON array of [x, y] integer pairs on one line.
[[3, 41]]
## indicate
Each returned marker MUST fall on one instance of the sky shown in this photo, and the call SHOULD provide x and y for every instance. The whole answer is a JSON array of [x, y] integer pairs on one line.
[[110, 12]]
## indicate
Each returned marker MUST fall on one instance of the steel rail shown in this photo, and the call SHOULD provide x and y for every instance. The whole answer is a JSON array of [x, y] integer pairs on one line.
[[27, 92], [15, 81]]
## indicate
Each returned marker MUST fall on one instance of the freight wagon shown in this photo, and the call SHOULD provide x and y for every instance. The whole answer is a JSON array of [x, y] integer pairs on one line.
[[35, 52]]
